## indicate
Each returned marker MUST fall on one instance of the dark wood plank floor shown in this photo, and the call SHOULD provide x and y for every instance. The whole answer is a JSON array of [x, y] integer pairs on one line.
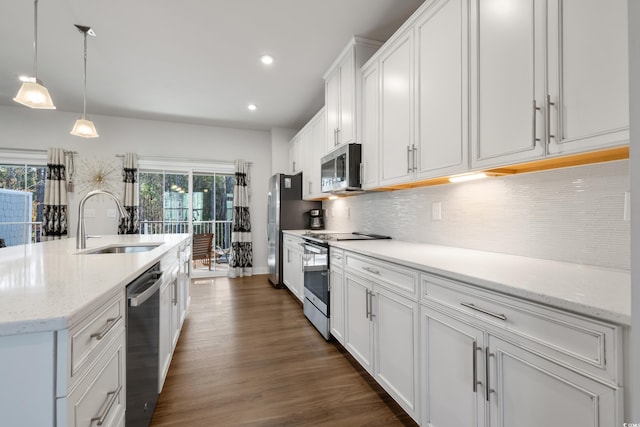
[[248, 356]]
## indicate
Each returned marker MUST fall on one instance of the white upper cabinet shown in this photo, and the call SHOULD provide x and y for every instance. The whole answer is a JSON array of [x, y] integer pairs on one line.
[[442, 89], [295, 155], [397, 148], [507, 84], [314, 147], [370, 125], [342, 87], [588, 75], [548, 78]]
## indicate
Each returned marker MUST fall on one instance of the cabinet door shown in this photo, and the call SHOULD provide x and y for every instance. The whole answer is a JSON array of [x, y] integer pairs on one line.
[[332, 103], [396, 111], [288, 273], [442, 89], [530, 391], [370, 125], [336, 295], [298, 273], [316, 148], [396, 347], [306, 148], [451, 353], [588, 75], [175, 312], [347, 110], [358, 325], [507, 86]]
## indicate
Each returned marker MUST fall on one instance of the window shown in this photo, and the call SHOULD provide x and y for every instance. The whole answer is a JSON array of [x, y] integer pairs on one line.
[[164, 202], [21, 197]]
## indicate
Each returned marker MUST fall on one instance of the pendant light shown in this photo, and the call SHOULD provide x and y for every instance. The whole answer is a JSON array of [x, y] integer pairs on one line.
[[84, 127], [32, 93]]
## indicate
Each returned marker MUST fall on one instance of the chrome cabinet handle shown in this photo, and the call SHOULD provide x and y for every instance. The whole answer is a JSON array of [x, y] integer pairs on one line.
[[415, 156], [371, 315], [371, 270], [174, 299], [535, 122], [408, 159], [474, 359], [549, 104], [114, 394], [482, 310], [366, 301], [337, 136], [111, 322], [310, 184], [487, 356]]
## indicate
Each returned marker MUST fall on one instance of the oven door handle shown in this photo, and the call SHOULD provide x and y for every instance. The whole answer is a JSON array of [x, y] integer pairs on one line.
[[315, 249]]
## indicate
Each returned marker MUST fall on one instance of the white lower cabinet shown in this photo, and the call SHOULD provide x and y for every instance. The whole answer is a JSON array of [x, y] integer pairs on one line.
[[292, 272], [165, 337], [336, 295], [482, 363], [381, 327], [358, 327]]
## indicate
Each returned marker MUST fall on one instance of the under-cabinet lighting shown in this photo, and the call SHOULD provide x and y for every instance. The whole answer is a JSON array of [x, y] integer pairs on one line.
[[468, 177]]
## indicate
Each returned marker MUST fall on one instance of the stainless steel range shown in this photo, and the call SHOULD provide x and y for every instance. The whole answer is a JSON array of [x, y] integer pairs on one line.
[[316, 275]]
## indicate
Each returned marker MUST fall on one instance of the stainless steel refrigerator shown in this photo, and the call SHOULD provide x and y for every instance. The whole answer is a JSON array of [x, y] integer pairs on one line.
[[286, 211]]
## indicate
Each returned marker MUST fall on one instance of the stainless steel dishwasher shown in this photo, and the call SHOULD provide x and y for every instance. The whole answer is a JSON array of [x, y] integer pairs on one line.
[[143, 311]]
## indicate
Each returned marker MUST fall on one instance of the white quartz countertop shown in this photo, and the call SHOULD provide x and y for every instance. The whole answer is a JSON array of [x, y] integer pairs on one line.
[[596, 292], [52, 285]]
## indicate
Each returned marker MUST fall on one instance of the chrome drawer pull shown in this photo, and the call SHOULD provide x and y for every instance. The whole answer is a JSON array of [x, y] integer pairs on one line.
[[474, 360], [371, 270], [104, 331], [114, 394], [482, 310]]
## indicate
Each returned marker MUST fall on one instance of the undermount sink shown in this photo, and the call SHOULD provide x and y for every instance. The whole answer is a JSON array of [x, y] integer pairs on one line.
[[123, 249]]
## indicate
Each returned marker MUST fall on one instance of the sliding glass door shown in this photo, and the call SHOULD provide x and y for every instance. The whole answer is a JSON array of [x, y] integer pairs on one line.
[[193, 202]]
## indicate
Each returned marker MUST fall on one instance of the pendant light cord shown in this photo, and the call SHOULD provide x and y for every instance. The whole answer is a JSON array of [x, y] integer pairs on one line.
[[84, 97], [35, 39]]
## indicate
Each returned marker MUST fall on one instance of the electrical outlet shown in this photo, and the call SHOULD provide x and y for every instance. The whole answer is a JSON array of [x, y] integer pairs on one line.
[[436, 211], [627, 206]]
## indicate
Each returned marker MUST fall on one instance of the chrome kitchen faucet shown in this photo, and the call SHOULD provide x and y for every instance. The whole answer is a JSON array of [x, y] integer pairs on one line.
[[81, 236]]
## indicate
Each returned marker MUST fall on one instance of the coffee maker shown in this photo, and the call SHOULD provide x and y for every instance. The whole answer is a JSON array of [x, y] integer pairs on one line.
[[316, 221]]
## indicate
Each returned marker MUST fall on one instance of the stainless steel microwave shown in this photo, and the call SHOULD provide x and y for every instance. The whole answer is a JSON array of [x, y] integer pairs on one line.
[[340, 169]]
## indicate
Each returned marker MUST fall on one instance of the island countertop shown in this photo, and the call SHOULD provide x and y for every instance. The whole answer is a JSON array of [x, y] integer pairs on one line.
[[51, 285]]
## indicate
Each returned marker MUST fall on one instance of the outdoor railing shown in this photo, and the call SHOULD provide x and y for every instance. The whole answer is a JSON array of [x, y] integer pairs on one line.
[[220, 229]]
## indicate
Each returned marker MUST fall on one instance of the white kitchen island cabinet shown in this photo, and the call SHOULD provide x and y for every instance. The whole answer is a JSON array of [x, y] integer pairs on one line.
[[62, 329]]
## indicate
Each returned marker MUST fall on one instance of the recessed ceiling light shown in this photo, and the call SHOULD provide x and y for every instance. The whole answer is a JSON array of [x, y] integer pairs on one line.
[[266, 59], [252, 107]]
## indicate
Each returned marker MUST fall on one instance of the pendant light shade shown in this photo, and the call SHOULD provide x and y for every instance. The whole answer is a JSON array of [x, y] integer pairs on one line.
[[32, 93], [83, 127]]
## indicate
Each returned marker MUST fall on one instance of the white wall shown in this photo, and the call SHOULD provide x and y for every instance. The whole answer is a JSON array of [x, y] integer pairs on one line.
[[633, 384], [21, 127]]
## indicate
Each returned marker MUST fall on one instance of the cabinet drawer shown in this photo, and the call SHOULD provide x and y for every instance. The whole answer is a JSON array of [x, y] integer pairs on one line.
[[292, 240], [392, 276], [100, 394], [580, 342], [88, 338], [336, 258]]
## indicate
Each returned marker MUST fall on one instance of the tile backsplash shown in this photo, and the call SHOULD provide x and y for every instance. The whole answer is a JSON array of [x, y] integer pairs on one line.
[[572, 214]]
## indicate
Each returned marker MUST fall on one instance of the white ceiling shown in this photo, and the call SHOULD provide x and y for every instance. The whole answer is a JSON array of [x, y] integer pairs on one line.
[[191, 61]]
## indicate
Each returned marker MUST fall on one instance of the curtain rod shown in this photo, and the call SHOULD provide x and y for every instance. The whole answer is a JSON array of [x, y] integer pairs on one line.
[[182, 159], [32, 150]]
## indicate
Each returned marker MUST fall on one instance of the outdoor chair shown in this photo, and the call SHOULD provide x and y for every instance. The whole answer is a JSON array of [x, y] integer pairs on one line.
[[201, 248]]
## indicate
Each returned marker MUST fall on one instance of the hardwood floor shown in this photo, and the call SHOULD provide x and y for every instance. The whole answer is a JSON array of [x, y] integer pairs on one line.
[[248, 356]]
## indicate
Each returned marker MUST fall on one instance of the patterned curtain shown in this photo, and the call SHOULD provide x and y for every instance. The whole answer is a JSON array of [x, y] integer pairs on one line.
[[131, 224], [54, 210], [241, 263]]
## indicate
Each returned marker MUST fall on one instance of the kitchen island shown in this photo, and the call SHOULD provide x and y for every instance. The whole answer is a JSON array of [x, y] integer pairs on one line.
[[62, 326]]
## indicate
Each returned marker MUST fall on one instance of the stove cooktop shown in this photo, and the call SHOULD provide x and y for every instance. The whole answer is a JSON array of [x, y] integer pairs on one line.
[[336, 237]]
